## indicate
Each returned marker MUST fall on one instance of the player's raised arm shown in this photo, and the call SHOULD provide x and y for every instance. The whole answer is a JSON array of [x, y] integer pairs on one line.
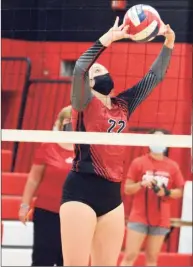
[[81, 93], [135, 95]]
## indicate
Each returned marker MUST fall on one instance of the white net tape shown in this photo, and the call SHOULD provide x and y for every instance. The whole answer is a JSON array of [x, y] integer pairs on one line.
[[183, 141]]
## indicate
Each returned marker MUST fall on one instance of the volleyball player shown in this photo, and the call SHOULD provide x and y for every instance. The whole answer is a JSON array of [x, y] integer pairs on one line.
[[153, 179], [92, 214], [51, 165]]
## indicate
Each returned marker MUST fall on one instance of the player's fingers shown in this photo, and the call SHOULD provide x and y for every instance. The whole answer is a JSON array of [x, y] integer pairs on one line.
[[131, 36], [162, 28], [116, 24], [121, 26], [22, 219], [168, 28], [165, 30], [27, 217], [126, 35], [125, 28], [161, 32], [162, 23]]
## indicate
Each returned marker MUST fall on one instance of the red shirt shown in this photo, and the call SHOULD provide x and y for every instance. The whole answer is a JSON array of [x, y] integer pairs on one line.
[[104, 160], [58, 162], [147, 207]]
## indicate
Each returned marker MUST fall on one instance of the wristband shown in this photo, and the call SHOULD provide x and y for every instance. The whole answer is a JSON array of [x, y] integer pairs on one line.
[[24, 206]]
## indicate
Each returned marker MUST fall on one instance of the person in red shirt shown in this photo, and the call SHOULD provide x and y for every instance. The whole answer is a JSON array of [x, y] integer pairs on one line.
[[51, 165], [153, 180], [92, 213]]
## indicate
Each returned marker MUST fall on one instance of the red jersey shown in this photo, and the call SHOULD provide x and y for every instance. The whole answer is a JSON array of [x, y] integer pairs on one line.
[[58, 162], [104, 160], [147, 207]]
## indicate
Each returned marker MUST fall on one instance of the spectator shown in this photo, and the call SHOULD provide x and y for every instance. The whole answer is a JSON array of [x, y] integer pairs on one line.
[[51, 164], [153, 179]]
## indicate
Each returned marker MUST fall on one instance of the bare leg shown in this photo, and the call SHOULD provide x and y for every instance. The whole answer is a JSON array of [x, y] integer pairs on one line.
[[78, 222], [108, 238], [134, 242], [153, 247]]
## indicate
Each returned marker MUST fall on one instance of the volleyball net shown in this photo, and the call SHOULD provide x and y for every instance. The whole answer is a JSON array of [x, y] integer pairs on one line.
[[137, 141], [123, 139]]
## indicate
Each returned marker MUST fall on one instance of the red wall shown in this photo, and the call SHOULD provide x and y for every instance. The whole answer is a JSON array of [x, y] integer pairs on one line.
[[169, 106], [13, 80]]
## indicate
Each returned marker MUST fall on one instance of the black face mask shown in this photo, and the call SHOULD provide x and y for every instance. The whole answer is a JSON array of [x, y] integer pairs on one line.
[[67, 127], [103, 84]]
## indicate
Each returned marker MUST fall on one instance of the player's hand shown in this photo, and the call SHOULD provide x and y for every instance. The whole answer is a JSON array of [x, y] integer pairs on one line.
[[24, 214], [168, 33], [146, 183], [115, 33], [118, 32]]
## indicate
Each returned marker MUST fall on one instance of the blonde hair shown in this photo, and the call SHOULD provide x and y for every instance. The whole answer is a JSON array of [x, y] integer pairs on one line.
[[65, 113]]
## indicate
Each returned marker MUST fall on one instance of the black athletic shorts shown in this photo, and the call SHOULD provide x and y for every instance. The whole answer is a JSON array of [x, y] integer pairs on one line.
[[97, 192]]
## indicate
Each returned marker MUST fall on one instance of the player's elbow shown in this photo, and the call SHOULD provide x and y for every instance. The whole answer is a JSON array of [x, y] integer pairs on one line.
[[79, 68], [128, 187], [161, 77], [77, 64], [77, 103]]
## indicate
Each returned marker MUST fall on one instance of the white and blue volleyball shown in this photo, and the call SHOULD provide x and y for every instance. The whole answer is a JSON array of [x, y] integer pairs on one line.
[[144, 22]]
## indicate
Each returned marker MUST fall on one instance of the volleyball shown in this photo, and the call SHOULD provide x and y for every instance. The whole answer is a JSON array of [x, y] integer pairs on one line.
[[144, 22]]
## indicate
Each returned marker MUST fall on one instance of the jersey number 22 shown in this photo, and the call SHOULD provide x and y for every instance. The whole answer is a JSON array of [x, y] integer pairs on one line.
[[114, 124]]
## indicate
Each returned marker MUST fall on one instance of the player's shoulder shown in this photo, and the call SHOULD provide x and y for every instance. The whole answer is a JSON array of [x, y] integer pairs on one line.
[[120, 102], [120, 99]]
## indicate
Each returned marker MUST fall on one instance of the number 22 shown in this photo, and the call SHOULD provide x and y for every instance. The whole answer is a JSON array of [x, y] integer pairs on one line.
[[114, 123]]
